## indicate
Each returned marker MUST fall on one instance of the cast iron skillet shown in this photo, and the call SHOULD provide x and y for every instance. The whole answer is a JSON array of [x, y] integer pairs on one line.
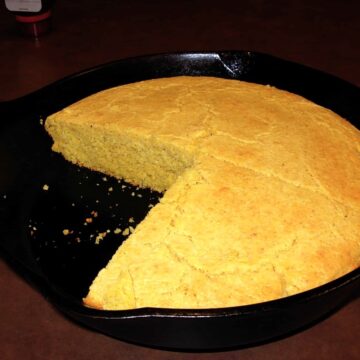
[[51, 212]]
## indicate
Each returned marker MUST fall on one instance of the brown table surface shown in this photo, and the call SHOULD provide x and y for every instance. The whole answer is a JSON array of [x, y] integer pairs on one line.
[[324, 34]]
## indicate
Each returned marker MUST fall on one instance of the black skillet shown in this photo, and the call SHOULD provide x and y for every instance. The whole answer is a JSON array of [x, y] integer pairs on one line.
[[58, 222]]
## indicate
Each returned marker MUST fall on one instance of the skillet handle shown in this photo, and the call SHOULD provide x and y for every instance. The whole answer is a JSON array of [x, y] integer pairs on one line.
[[16, 123]]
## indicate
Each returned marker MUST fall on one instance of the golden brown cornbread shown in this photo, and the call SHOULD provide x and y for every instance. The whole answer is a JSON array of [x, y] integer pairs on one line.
[[262, 192]]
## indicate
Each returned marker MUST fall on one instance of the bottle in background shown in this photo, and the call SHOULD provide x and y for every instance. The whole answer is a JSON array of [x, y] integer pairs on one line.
[[32, 16]]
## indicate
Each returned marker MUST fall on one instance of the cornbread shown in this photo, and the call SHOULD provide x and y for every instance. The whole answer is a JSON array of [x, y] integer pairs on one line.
[[261, 190]]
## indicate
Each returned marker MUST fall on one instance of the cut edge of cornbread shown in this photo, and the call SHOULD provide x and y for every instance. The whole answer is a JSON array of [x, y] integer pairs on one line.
[[144, 161]]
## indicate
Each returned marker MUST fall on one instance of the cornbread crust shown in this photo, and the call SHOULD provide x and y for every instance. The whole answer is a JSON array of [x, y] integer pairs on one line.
[[262, 192]]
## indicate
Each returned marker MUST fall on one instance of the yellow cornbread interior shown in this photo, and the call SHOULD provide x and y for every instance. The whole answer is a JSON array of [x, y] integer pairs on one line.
[[144, 161], [262, 190]]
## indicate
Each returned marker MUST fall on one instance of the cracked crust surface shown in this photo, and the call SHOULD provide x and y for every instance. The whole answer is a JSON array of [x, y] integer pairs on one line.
[[262, 190]]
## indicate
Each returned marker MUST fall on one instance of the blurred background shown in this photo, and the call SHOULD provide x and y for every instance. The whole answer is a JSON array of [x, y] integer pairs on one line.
[[323, 34], [320, 33]]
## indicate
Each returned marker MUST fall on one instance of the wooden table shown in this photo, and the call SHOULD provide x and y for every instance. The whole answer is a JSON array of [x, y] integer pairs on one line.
[[324, 34]]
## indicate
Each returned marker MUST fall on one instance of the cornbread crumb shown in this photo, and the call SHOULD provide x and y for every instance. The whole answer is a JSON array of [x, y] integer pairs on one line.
[[45, 187], [100, 237], [126, 232]]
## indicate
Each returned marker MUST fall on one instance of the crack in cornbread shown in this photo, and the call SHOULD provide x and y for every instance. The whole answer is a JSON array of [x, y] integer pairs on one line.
[[261, 190]]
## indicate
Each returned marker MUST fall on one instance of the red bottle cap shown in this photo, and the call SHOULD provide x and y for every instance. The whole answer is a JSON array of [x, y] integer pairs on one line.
[[35, 25]]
